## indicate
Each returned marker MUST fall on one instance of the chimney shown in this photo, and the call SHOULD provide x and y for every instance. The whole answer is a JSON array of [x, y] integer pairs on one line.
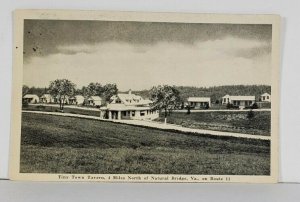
[[129, 92]]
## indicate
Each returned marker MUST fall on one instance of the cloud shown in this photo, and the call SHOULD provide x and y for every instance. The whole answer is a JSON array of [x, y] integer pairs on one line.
[[140, 66]]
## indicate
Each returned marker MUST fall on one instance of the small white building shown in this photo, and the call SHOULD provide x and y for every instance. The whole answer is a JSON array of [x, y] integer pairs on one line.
[[266, 97], [199, 102], [239, 101], [31, 98], [46, 98], [129, 106], [94, 101], [76, 100]]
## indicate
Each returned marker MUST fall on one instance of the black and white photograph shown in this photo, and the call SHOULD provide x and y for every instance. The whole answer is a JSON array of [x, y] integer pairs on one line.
[[141, 97]]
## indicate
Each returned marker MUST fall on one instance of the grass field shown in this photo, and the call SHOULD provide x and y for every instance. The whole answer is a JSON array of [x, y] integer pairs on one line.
[[66, 110], [233, 121], [55, 144]]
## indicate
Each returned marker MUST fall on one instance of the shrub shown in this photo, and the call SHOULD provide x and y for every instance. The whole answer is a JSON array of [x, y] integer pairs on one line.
[[254, 106], [188, 109], [250, 114], [229, 106]]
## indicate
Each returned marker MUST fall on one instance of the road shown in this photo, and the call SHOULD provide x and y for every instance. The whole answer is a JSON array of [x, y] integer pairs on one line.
[[222, 110], [158, 125]]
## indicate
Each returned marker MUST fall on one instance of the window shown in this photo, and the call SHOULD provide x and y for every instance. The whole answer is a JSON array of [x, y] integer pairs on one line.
[[267, 97], [133, 113], [142, 113]]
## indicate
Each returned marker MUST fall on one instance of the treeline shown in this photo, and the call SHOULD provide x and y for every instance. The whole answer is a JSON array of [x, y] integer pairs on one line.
[[217, 92], [93, 89], [34, 90]]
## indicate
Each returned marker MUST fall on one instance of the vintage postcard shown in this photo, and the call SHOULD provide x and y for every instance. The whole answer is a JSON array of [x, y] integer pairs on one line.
[[145, 97]]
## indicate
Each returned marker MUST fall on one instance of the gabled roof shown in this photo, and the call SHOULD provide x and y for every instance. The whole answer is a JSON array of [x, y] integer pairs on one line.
[[131, 99], [226, 96], [265, 94], [146, 101], [31, 96], [95, 98], [46, 96], [77, 97], [198, 99], [242, 97]]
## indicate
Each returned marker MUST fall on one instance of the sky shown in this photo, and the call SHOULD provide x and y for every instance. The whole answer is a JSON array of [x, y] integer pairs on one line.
[[139, 55]]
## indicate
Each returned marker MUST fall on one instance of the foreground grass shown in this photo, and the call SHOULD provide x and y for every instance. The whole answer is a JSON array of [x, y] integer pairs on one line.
[[53, 144], [236, 122]]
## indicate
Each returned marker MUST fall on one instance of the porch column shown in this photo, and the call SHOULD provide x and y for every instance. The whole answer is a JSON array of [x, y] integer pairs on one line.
[[119, 115], [137, 114], [109, 115]]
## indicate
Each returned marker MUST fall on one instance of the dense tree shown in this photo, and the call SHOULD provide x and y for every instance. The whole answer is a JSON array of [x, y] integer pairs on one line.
[[217, 92], [33, 90], [61, 89], [25, 90], [109, 91], [84, 91], [165, 98], [94, 89]]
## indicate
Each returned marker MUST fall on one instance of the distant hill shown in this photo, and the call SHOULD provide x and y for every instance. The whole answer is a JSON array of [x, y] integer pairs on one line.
[[216, 92]]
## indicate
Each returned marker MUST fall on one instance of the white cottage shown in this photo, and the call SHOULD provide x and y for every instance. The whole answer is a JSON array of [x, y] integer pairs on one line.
[[76, 100], [266, 97], [129, 106], [46, 98], [238, 101], [94, 101], [199, 102], [31, 98]]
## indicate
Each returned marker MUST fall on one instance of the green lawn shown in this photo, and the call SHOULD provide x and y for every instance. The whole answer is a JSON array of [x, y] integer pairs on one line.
[[233, 121], [66, 110], [55, 144]]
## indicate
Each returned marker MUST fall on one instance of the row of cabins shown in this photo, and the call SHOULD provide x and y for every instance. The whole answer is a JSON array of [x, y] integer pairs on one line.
[[237, 101], [120, 106], [131, 106], [74, 100]]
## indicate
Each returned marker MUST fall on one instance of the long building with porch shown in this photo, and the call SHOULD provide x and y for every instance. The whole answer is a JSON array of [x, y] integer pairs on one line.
[[129, 106], [239, 101], [199, 102]]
